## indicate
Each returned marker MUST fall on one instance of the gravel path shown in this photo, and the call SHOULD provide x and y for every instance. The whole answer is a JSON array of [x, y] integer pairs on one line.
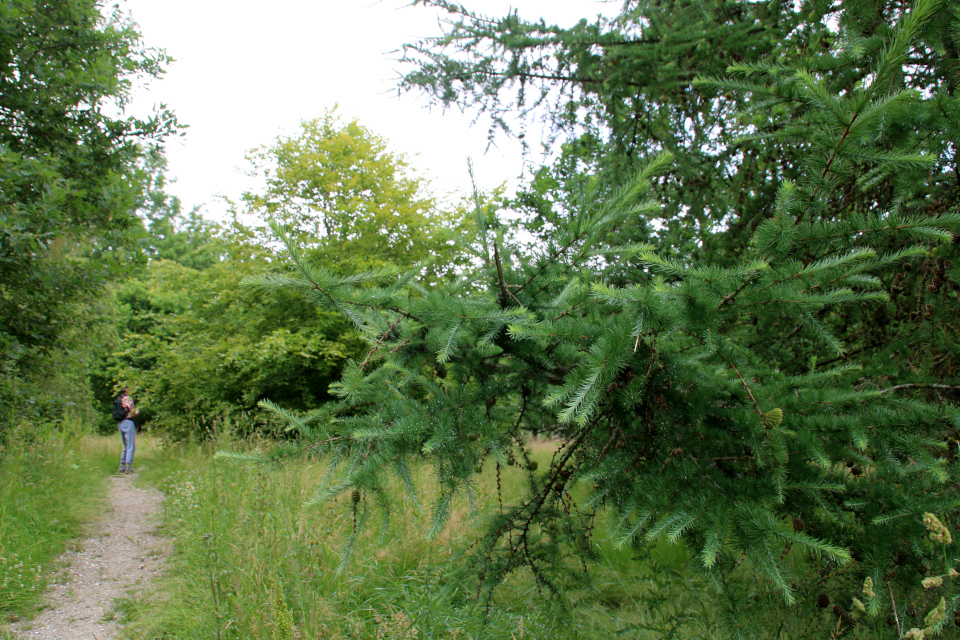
[[119, 560]]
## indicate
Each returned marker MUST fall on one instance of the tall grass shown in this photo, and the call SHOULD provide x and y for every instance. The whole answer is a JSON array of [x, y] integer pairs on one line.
[[52, 482], [252, 561]]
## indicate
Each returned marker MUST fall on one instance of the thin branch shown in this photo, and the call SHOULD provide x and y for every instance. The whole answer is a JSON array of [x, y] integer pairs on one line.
[[833, 156], [895, 616], [379, 343], [921, 385], [734, 294], [504, 292], [745, 386]]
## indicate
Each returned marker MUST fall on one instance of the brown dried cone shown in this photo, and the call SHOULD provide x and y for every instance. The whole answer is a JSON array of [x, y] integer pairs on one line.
[[823, 601], [798, 524], [896, 288], [935, 283], [772, 419]]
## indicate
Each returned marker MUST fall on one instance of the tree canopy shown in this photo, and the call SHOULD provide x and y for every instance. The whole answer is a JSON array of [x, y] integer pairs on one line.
[[612, 90], [348, 199], [70, 185], [195, 347]]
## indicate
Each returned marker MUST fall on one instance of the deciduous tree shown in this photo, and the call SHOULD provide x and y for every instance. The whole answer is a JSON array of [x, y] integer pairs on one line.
[[70, 186], [348, 199], [196, 347]]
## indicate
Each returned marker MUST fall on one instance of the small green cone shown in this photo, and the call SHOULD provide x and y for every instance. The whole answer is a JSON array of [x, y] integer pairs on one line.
[[772, 419]]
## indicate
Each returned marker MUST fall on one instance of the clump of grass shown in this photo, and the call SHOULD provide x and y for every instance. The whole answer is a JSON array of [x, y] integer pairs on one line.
[[246, 542], [39, 465]]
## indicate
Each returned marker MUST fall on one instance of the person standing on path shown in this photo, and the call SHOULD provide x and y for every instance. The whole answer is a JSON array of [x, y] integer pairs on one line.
[[128, 430]]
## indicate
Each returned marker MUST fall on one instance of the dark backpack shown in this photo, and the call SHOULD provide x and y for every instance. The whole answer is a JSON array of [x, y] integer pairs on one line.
[[119, 411]]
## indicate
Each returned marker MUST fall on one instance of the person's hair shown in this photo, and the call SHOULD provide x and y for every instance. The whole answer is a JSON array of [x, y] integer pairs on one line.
[[123, 390]]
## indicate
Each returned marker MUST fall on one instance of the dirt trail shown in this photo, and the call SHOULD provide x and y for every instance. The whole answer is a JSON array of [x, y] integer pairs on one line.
[[118, 560]]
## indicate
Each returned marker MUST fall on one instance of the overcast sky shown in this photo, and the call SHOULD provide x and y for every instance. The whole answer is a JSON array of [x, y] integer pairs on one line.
[[247, 72]]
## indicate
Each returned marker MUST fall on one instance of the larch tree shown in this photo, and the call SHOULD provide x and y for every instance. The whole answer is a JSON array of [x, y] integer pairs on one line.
[[742, 401]]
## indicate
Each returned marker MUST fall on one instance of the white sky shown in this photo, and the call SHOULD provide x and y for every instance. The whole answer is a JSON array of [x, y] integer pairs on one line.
[[247, 72]]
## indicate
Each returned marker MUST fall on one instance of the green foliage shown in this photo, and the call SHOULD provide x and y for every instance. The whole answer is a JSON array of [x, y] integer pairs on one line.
[[69, 182], [249, 535], [347, 199], [614, 89], [193, 345], [751, 403]]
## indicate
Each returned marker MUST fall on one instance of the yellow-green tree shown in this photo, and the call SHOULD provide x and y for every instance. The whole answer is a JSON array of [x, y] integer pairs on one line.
[[347, 199]]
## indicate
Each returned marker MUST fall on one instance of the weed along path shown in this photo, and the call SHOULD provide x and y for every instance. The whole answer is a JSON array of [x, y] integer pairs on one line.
[[118, 560]]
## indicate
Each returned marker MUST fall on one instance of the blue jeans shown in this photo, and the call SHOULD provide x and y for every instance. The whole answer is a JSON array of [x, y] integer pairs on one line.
[[127, 432]]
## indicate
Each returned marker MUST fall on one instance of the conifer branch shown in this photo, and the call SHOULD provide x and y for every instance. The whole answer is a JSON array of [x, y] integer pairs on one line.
[[552, 258], [567, 312], [896, 616], [402, 344], [734, 294], [379, 343], [920, 385], [744, 383], [504, 292], [833, 156]]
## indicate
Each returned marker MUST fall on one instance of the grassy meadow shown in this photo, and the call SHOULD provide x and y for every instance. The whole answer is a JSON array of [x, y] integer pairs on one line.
[[253, 559], [52, 483]]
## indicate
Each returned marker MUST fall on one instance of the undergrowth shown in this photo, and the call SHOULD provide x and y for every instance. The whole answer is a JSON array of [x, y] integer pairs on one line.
[[52, 482], [253, 560]]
